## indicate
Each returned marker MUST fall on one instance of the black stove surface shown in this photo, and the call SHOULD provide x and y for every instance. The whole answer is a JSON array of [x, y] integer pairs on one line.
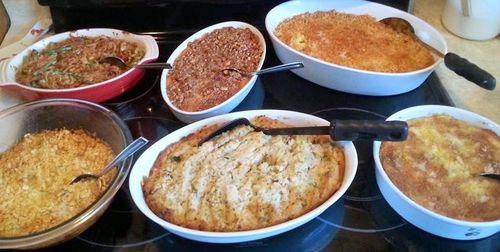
[[360, 221]]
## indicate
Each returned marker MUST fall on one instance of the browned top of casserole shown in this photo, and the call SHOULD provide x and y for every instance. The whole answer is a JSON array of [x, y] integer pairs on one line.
[[197, 81], [242, 179], [438, 167], [75, 62], [356, 41], [35, 176]]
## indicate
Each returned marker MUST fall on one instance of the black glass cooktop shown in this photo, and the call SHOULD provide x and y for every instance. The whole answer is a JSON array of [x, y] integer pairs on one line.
[[360, 221]]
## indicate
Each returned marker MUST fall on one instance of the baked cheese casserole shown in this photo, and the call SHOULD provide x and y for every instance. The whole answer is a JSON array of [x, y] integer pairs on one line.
[[35, 176], [356, 41], [242, 179], [438, 167]]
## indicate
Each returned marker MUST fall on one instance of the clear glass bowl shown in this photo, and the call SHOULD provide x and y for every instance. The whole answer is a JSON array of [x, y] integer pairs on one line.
[[36, 116]]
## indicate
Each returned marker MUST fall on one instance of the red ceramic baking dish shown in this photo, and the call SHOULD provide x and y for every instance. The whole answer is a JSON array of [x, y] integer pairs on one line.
[[97, 92]]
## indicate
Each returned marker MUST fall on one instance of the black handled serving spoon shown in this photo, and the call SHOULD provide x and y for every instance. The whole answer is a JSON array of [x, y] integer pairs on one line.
[[339, 130], [454, 62]]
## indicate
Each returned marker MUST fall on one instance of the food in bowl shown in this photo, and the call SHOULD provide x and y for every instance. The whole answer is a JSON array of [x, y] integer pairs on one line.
[[243, 179], [197, 80], [352, 40], [35, 176], [75, 62], [438, 167]]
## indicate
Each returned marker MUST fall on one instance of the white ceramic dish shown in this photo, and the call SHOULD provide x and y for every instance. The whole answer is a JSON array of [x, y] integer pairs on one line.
[[416, 214], [348, 79], [97, 92], [230, 103], [147, 159]]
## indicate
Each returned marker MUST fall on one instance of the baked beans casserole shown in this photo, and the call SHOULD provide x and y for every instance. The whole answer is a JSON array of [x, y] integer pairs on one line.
[[197, 80], [438, 167], [75, 62], [35, 176], [356, 41], [242, 179]]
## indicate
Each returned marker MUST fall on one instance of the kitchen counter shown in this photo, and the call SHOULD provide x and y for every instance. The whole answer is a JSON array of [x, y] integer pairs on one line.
[[485, 54], [464, 94]]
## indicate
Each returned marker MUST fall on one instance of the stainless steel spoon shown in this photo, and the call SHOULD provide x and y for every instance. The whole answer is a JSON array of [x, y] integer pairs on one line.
[[490, 175], [454, 62], [339, 130], [115, 61], [278, 68], [121, 64], [124, 154]]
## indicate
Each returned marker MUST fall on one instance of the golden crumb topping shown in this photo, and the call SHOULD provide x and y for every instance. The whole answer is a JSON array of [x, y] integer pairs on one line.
[[242, 179], [35, 176], [356, 41], [438, 166]]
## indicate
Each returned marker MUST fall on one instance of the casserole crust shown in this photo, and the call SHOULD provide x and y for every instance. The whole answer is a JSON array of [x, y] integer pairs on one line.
[[438, 167], [35, 176], [356, 41], [242, 179]]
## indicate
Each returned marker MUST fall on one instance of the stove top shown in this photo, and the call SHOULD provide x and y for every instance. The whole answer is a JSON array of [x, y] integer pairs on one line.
[[360, 221]]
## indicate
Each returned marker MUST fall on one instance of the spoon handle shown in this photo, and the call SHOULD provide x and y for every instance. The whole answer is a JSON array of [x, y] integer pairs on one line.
[[154, 66], [279, 68], [125, 153], [491, 175], [352, 130], [469, 71]]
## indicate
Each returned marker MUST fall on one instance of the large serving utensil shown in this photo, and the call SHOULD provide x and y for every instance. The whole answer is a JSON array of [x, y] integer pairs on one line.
[[124, 154], [116, 61], [454, 62], [339, 130]]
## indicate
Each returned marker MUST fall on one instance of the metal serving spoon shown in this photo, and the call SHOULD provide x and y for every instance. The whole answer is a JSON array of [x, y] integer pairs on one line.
[[278, 68], [454, 62], [490, 175], [125, 153], [339, 130], [121, 64], [115, 61]]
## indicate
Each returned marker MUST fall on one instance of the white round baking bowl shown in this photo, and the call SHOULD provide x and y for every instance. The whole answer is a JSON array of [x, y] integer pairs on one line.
[[413, 212], [145, 162]]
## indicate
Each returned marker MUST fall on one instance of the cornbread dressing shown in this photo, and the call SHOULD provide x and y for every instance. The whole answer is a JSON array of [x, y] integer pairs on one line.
[[438, 167], [356, 41], [35, 176], [242, 179]]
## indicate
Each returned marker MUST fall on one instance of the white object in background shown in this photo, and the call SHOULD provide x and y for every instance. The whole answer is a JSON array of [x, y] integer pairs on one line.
[[472, 19], [35, 33]]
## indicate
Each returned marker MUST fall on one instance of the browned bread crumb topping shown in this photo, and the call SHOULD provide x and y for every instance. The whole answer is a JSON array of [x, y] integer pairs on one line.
[[243, 180], [356, 41]]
